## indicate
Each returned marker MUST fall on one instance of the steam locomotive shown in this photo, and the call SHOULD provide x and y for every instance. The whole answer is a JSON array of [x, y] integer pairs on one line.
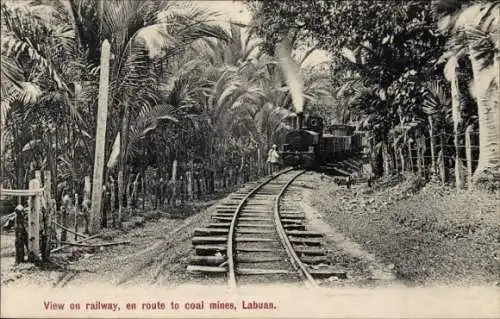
[[314, 146]]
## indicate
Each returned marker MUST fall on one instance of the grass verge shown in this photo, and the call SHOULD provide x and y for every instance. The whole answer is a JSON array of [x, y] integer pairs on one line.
[[430, 235]]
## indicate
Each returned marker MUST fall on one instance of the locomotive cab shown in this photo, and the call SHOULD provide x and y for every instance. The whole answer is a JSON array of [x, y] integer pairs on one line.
[[299, 148]]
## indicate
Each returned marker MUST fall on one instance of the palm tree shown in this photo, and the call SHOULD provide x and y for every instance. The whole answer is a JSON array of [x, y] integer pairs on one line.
[[38, 38], [473, 30], [437, 107], [141, 33]]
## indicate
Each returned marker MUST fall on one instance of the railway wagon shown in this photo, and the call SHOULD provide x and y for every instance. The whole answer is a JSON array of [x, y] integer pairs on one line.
[[333, 148]]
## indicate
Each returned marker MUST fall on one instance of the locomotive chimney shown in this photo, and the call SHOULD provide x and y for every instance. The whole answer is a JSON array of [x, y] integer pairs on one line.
[[300, 120]]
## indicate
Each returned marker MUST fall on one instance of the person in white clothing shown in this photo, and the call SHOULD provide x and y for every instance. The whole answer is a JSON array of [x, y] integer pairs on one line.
[[273, 158]]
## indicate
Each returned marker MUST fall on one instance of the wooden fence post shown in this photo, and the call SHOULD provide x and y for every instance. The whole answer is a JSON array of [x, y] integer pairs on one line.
[[442, 167], [87, 192], [120, 198], [459, 178], [34, 221], [227, 182], [87, 186], [421, 160], [395, 156], [21, 234], [75, 214], [65, 205], [48, 218], [211, 173], [143, 190], [38, 177], [113, 200], [198, 185], [468, 154], [174, 184], [215, 181], [203, 188], [128, 192], [43, 230], [402, 159], [47, 186], [189, 178], [135, 186], [419, 164], [431, 142], [259, 163], [410, 157]]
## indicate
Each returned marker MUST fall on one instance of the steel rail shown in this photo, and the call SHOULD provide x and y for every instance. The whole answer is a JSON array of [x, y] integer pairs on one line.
[[230, 239], [294, 259]]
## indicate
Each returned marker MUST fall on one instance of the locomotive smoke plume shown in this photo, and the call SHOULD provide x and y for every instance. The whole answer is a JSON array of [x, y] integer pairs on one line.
[[292, 75]]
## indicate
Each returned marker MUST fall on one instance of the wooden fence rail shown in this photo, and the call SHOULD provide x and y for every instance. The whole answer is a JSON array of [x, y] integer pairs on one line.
[[39, 212]]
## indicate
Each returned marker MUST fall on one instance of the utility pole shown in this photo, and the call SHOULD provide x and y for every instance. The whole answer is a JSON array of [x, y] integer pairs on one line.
[[100, 140]]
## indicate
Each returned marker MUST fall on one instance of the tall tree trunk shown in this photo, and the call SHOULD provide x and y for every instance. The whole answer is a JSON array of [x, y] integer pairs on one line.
[[486, 95], [452, 76], [123, 158], [102, 113]]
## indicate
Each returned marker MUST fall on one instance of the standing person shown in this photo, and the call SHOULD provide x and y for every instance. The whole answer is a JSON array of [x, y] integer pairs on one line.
[[273, 159]]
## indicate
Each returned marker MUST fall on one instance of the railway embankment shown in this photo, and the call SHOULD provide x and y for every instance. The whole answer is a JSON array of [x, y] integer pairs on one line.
[[425, 234]]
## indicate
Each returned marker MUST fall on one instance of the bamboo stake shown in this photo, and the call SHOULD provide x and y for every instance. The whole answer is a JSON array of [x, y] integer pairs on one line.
[[70, 231], [97, 245], [76, 242]]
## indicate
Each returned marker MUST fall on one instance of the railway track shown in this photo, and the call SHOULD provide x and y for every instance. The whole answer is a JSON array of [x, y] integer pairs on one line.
[[254, 240]]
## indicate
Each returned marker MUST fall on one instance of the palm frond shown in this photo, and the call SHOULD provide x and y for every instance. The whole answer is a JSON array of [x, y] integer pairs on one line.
[[435, 98]]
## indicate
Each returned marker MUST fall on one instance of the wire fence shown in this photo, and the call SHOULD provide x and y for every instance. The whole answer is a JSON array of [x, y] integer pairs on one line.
[[146, 192], [451, 153]]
